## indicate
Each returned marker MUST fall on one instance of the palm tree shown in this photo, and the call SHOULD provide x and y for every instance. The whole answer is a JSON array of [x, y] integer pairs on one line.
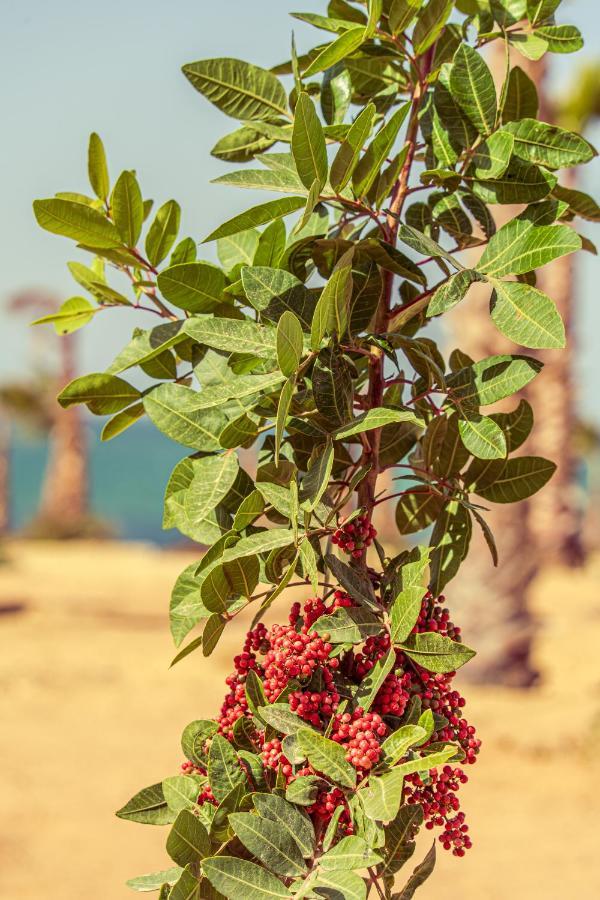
[[64, 509]]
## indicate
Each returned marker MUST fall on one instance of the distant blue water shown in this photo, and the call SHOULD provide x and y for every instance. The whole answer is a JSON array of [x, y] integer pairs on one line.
[[128, 477]]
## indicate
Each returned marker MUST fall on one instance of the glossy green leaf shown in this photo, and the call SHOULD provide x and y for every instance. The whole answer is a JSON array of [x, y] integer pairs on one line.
[[288, 818], [404, 611], [375, 418], [308, 144], [348, 626], [103, 394], [187, 887], [365, 693], [163, 232], [452, 291], [77, 221], [430, 23], [155, 880], [520, 97], [473, 89], [399, 742], [97, 167], [339, 884], [339, 49], [436, 652], [235, 878], [327, 757], [258, 215], [382, 797], [350, 853], [493, 378], [520, 183], [289, 343], [224, 770], [348, 154], [128, 208], [419, 876], [148, 807], [561, 38], [482, 437], [450, 540], [521, 246], [196, 287], [401, 14], [188, 840], [267, 841], [377, 152], [230, 334], [548, 145], [238, 88], [72, 315], [519, 478], [526, 315], [178, 412]]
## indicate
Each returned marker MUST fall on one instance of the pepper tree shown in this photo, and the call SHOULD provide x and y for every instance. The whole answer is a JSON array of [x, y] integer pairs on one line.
[[341, 733]]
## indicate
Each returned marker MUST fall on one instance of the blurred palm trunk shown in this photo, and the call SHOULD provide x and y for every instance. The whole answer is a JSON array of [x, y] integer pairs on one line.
[[544, 529], [5, 431], [65, 495]]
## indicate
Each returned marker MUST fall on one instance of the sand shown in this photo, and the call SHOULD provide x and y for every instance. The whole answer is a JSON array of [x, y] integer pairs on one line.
[[90, 713]]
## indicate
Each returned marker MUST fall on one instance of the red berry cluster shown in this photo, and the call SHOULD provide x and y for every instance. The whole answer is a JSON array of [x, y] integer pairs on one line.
[[292, 655], [441, 806], [355, 537], [295, 657], [361, 735]]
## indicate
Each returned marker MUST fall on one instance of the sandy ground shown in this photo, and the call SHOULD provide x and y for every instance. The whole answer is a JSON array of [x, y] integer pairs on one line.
[[90, 713]]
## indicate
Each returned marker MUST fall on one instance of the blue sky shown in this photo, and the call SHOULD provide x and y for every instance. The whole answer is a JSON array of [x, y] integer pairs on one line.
[[72, 67]]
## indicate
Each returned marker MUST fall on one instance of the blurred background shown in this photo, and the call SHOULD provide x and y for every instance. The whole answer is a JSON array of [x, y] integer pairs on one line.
[[89, 708]]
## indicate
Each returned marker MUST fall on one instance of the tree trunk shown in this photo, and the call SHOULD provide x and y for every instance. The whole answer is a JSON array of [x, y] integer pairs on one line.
[[5, 431], [64, 500]]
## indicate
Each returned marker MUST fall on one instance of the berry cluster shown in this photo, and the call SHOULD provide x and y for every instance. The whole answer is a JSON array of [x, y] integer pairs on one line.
[[355, 537], [361, 735], [295, 666]]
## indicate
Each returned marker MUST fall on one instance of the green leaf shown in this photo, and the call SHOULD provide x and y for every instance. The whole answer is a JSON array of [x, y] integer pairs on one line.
[[472, 87], [238, 248], [97, 167], [195, 489], [520, 478], [122, 420], [521, 246], [327, 757], [520, 99], [419, 876], [178, 412], [196, 287], [375, 418], [155, 880], [353, 581], [436, 652], [561, 38], [331, 311], [233, 334], [72, 315], [333, 53], [289, 818], [340, 884], [163, 232], [452, 291], [548, 145], [235, 878], [289, 343], [351, 852], [382, 797], [348, 626], [348, 154], [147, 345], [526, 315], [186, 607], [186, 888], [493, 378], [261, 542], [332, 386], [401, 14], [283, 181], [258, 215], [404, 611], [283, 408], [417, 509], [430, 23], [521, 183], [274, 291], [308, 144], [211, 634], [239, 89], [103, 394], [188, 840], [194, 738], [491, 158], [540, 10], [397, 745], [450, 539], [316, 480], [181, 792], [127, 208], [304, 789], [77, 221], [579, 203], [399, 845], [241, 145], [377, 152], [482, 437], [269, 842], [422, 243], [224, 770], [366, 691], [148, 807]]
